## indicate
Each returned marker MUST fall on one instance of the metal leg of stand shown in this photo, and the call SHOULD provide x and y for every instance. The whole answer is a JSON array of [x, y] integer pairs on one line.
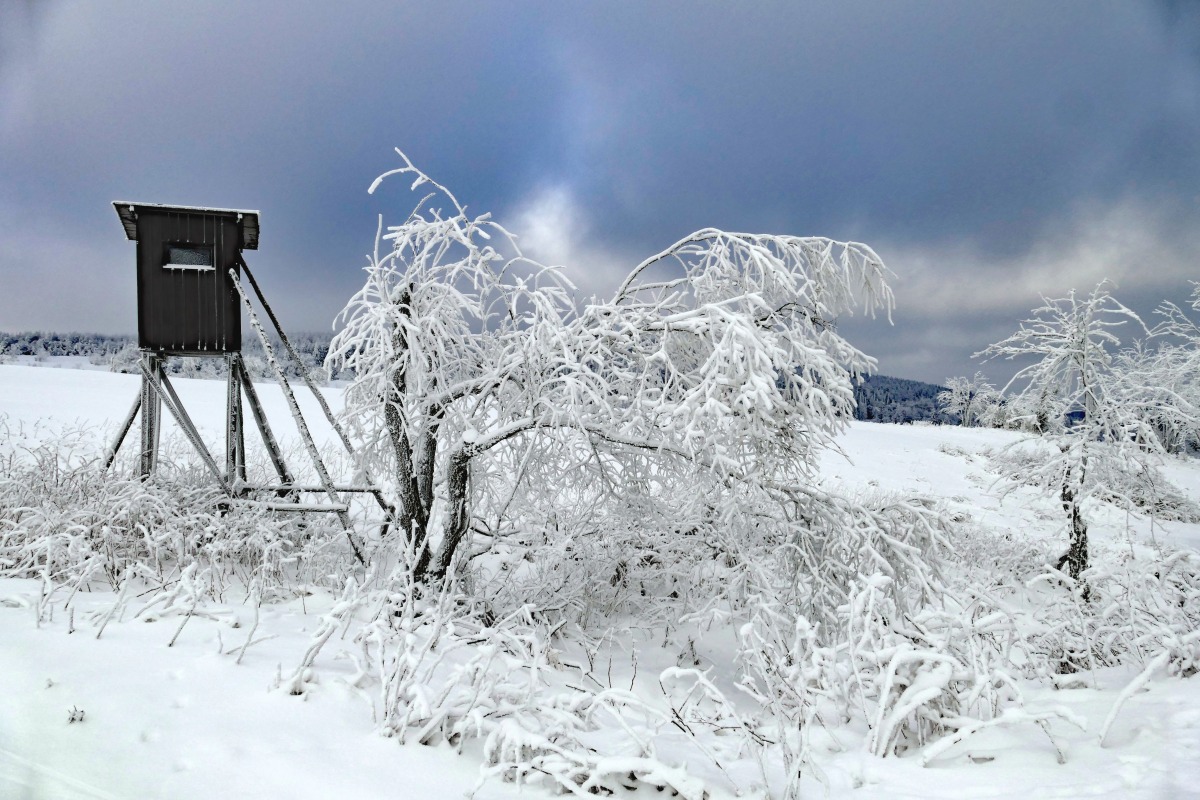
[[235, 442], [151, 403], [111, 455], [264, 428]]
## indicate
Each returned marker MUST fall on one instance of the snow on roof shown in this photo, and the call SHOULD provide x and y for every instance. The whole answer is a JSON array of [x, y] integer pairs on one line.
[[248, 219]]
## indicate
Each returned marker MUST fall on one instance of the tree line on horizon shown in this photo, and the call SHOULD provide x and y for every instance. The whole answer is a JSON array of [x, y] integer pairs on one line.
[[877, 398], [119, 353]]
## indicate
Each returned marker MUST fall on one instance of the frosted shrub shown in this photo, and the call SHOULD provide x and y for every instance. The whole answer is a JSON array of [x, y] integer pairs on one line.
[[1139, 607], [931, 679], [788, 571], [62, 516], [909, 679], [917, 661], [794, 682], [833, 540], [1135, 484], [477, 369], [649, 558], [1073, 339], [971, 401], [447, 673]]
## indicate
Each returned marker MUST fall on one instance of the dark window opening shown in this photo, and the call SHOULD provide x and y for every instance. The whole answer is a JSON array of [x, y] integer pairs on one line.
[[189, 256]]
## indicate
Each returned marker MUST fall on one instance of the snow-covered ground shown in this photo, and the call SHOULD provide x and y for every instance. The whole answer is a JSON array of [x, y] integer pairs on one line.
[[126, 716], [59, 362], [65, 397]]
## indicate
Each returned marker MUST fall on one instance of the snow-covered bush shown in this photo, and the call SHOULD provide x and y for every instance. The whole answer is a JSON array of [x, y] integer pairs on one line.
[[446, 672], [1072, 339], [716, 358], [1136, 484], [912, 660], [64, 517], [1137, 607], [972, 401], [1161, 379]]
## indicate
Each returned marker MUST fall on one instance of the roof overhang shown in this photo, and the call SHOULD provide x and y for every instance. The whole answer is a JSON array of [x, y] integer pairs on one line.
[[247, 220]]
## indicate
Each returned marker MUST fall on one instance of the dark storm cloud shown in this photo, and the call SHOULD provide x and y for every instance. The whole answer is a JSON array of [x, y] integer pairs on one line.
[[988, 151], [915, 120]]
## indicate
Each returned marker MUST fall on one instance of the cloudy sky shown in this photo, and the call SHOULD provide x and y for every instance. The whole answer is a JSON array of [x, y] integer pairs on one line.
[[989, 152]]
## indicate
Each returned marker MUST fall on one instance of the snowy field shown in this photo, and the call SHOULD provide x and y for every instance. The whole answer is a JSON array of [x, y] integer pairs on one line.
[[124, 715]]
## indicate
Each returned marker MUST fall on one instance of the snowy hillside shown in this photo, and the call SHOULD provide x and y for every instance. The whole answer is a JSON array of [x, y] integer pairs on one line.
[[215, 688]]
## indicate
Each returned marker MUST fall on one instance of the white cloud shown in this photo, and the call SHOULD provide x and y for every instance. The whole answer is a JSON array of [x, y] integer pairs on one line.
[[953, 298], [553, 228], [1131, 243], [550, 225]]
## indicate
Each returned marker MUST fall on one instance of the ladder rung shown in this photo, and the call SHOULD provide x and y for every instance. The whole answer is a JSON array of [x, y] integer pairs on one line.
[[270, 506], [304, 488]]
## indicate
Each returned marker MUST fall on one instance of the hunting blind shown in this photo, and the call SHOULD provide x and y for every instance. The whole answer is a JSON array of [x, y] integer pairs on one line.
[[187, 302], [190, 303]]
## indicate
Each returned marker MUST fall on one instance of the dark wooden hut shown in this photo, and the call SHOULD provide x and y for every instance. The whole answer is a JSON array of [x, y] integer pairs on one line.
[[187, 303]]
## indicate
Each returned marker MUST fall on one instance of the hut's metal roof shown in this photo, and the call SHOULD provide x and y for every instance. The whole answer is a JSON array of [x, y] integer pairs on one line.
[[247, 220]]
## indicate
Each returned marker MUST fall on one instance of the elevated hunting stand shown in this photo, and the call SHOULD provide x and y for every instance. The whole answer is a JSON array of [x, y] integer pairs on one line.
[[190, 300]]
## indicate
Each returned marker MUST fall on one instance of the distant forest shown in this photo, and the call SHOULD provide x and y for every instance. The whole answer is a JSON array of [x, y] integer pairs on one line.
[[119, 353], [879, 398]]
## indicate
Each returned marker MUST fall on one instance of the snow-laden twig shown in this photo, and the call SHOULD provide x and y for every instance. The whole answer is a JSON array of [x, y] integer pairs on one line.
[[119, 603], [346, 605], [1134, 686], [256, 602], [1009, 716]]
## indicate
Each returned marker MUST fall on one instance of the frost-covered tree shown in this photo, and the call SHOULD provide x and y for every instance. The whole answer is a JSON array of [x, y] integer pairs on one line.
[[1166, 379], [968, 399], [996, 413], [1163, 385], [480, 375], [1073, 340]]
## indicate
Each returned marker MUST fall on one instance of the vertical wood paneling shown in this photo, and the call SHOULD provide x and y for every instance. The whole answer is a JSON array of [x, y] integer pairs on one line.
[[187, 311]]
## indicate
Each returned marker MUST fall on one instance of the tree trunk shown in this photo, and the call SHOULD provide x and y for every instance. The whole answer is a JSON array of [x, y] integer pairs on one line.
[[1077, 553], [425, 464], [406, 486], [414, 514], [1077, 556], [458, 518]]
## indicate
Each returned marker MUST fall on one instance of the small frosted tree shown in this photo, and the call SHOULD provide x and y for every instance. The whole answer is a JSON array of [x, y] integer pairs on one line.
[[969, 399], [1163, 385], [476, 368], [1165, 379], [1073, 340]]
